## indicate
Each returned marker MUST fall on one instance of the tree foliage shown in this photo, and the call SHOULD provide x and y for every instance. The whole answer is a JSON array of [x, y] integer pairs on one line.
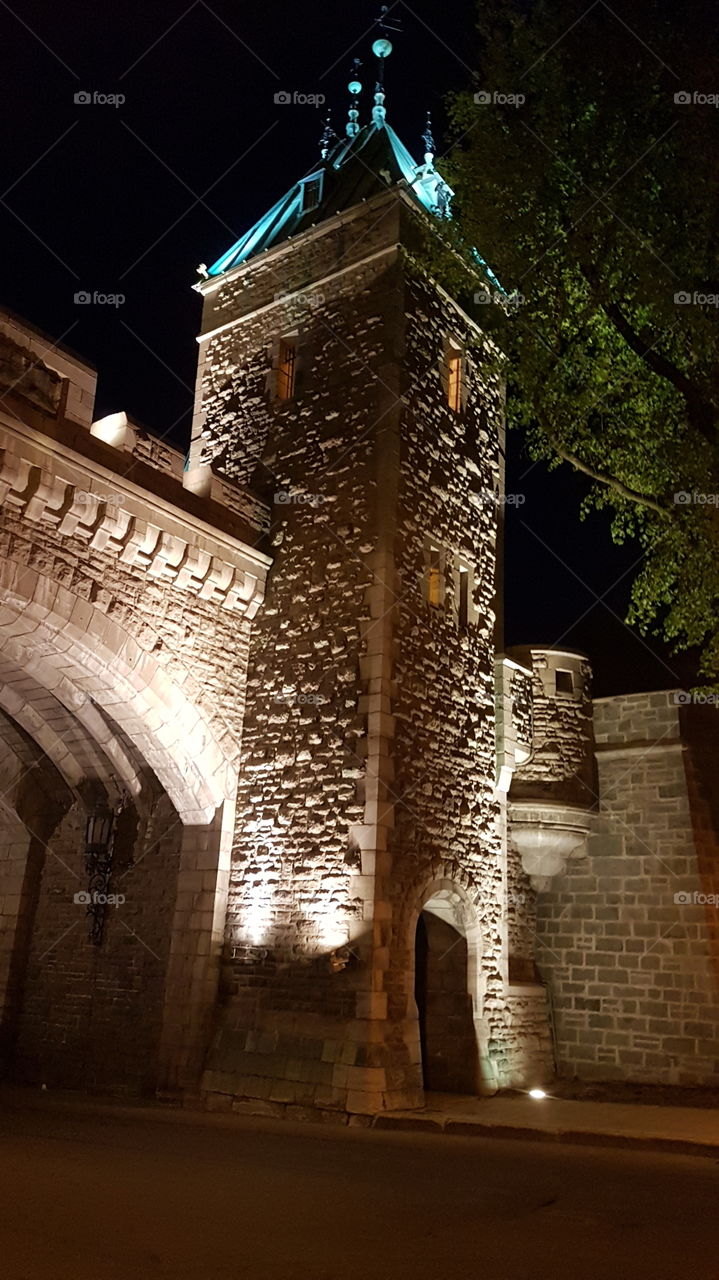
[[595, 199]]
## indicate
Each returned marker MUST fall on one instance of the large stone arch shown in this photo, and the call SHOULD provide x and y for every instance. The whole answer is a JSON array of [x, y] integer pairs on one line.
[[87, 660], [127, 715]]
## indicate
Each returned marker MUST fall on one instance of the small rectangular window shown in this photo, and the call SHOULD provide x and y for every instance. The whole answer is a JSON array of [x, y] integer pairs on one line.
[[311, 193], [286, 369], [434, 578], [454, 380], [564, 681]]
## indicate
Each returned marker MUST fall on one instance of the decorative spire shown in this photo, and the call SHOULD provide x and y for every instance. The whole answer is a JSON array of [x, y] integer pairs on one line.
[[429, 143], [378, 110], [328, 134], [381, 49], [355, 88]]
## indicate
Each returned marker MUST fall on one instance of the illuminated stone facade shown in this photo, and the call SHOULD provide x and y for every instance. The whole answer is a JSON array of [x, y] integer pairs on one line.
[[368, 779], [359, 851], [125, 611]]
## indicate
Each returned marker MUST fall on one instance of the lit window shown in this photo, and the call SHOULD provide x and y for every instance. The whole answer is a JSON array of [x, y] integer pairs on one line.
[[311, 193], [454, 380], [434, 577], [564, 682], [286, 369]]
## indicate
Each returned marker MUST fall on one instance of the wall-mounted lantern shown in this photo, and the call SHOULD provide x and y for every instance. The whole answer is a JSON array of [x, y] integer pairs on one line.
[[99, 836]]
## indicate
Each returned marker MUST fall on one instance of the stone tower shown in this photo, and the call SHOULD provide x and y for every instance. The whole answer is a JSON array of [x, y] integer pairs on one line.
[[366, 950]]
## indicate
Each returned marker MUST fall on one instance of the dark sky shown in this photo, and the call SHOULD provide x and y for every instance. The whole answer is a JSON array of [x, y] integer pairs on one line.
[[129, 199]]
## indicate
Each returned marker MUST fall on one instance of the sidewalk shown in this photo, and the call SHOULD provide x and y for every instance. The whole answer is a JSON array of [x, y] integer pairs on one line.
[[692, 1131], [681, 1130]]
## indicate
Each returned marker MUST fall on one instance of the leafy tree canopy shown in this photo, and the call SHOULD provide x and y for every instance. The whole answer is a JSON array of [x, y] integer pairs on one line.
[[591, 190]]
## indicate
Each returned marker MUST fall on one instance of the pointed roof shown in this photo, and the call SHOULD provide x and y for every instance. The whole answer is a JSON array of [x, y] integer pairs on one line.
[[356, 169]]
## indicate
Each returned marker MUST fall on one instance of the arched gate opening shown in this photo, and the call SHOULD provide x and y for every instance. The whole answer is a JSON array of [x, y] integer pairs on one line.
[[445, 977]]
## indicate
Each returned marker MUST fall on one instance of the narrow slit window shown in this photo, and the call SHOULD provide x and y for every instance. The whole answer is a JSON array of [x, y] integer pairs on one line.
[[286, 370], [564, 682], [454, 380], [463, 598], [434, 578]]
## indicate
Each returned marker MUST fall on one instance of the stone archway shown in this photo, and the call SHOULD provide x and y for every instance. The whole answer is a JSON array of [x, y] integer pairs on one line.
[[103, 712], [87, 660], [448, 985]]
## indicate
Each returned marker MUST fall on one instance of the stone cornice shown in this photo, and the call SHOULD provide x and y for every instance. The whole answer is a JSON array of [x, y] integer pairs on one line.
[[58, 489]]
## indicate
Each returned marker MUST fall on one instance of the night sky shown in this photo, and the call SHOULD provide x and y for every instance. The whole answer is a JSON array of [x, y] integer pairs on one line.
[[129, 199]]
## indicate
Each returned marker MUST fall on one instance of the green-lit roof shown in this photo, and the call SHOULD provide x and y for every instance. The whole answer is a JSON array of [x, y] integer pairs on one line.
[[354, 170]]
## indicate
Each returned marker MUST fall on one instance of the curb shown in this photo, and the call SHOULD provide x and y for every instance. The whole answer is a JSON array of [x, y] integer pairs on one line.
[[388, 1122], [574, 1137]]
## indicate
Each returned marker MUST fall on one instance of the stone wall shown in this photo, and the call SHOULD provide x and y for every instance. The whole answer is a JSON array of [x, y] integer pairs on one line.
[[368, 775], [628, 936], [560, 768], [125, 604], [446, 816], [91, 1016]]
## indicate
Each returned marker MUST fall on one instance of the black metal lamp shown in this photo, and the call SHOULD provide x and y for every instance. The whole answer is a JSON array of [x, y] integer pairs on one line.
[[98, 865]]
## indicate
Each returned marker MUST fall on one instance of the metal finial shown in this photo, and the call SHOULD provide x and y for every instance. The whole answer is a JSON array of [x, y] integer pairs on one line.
[[381, 49], [428, 140], [378, 110], [328, 134], [355, 88]]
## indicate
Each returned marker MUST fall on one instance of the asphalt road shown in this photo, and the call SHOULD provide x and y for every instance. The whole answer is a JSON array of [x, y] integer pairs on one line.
[[87, 1194]]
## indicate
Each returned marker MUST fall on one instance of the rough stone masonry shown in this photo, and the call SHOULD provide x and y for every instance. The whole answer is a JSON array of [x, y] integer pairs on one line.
[[361, 851]]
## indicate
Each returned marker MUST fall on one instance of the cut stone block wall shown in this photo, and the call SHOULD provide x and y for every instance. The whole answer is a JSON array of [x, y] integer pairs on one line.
[[628, 936]]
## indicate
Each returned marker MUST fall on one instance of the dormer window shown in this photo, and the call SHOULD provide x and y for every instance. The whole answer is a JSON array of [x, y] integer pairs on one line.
[[311, 193]]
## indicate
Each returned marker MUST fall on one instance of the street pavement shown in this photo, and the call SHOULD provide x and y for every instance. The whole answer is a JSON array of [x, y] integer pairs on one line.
[[127, 1193]]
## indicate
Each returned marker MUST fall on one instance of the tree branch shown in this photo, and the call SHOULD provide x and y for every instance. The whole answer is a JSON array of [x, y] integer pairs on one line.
[[610, 481], [701, 413]]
